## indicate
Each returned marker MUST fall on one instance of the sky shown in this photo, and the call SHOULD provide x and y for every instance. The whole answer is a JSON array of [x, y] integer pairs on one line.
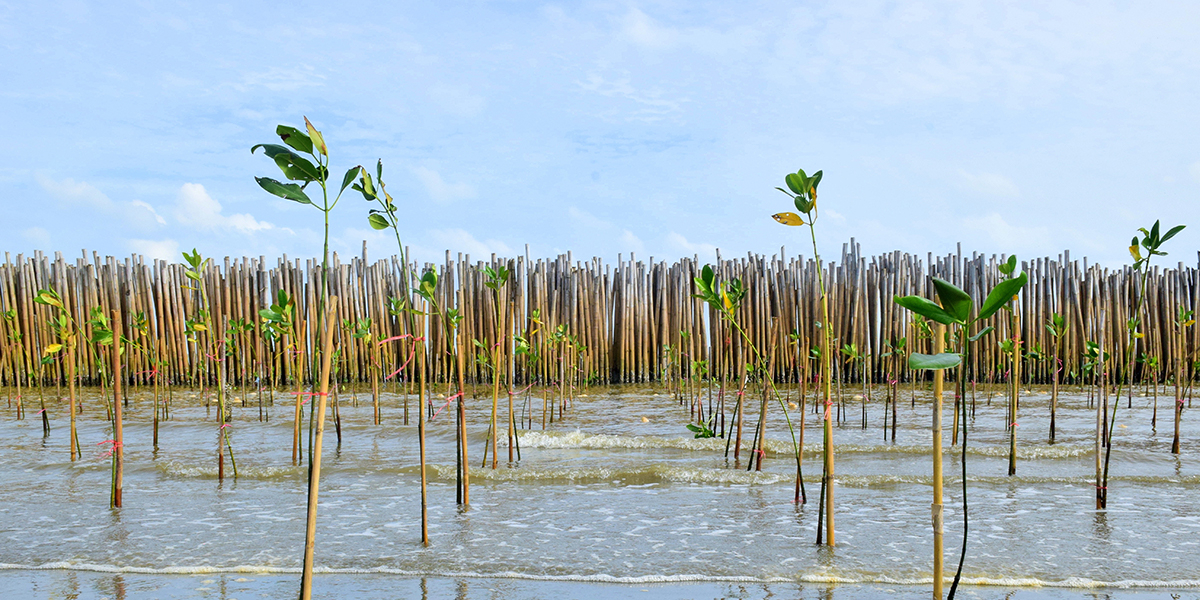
[[604, 128]]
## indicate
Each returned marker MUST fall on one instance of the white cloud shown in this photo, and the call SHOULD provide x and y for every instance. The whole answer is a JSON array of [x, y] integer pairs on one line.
[[586, 219], [38, 236], [991, 184], [439, 189], [1007, 237], [459, 240], [194, 207], [632, 243], [652, 106], [138, 214], [167, 250], [681, 244], [78, 193]]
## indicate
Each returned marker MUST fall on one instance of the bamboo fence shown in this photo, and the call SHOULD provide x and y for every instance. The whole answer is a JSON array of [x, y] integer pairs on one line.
[[632, 321]]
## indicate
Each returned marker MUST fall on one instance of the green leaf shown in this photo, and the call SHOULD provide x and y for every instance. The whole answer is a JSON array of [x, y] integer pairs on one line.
[[814, 181], [926, 308], [983, 332], [287, 191], [803, 205], [954, 301], [1001, 294], [294, 138], [349, 178], [378, 221], [933, 362], [796, 182], [1008, 266], [1170, 234]]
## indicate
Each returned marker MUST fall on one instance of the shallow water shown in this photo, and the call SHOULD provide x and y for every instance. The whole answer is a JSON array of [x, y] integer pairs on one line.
[[613, 498]]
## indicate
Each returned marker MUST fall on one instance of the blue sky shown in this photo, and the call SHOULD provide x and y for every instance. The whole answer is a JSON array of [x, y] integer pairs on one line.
[[605, 127]]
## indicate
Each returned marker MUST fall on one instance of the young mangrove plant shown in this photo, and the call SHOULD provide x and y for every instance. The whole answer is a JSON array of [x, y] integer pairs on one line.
[[65, 330], [1182, 321], [381, 218], [1151, 241], [1057, 327], [200, 324], [954, 310], [297, 168], [803, 192], [280, 320]]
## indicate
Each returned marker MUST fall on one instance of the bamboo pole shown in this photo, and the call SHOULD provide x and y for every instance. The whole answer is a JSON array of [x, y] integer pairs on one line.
[[314, 479]]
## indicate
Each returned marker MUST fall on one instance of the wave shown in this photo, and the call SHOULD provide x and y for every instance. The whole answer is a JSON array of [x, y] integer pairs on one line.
[[192, 471], [848, 578], [601, 441]]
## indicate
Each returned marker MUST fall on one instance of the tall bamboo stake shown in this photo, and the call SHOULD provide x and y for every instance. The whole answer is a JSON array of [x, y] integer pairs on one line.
[[314, 480]]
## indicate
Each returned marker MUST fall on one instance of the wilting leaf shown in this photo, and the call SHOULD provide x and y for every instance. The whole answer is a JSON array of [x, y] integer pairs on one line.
[[788, 218], [317, 139], [294, 138]]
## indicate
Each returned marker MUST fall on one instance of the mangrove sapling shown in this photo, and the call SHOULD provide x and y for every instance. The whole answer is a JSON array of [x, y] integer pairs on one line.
[[16, 352], [385, 217], [1150, 379], [1182, 321], [195, 270], [1012, 348], [955, 310], [280, 319], [1057, 327], [65, 330], [495, 280], [1151, 241], [804, 196], [725, 298]]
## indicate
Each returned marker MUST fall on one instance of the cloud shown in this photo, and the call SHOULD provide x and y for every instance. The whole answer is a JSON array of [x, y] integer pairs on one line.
[[651, 106], [991, 184], [439, 190], [80, 194], [38, 236], [167, 250], [632, 243], [1008, 237], [586, 219], [195, 208], [681, 244], [1195, 170], [459, 240]]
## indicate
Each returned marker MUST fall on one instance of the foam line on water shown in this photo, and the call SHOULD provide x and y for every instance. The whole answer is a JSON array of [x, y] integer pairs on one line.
[[848, 578]]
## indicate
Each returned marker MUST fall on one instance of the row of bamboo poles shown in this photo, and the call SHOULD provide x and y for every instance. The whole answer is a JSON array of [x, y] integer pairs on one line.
[[633, 321]]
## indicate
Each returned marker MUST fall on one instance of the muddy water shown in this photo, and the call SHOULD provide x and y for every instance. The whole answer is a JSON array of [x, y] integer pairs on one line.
[[615, 498]]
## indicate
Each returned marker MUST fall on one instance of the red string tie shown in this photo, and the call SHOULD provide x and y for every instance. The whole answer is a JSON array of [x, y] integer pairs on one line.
[[448, 401]]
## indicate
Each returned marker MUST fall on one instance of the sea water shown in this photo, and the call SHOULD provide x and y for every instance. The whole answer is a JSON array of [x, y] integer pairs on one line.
[[615, 499]]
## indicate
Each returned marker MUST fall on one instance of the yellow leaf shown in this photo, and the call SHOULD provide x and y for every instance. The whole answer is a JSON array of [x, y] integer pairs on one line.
[[788, 218], [317, 139], [1189, 323], [200, 327], [728, 304], [1135, 252], [52, 348]]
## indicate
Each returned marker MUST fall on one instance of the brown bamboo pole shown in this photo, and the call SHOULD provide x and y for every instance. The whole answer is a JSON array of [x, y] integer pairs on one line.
[[314, 479], [118, 422]]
